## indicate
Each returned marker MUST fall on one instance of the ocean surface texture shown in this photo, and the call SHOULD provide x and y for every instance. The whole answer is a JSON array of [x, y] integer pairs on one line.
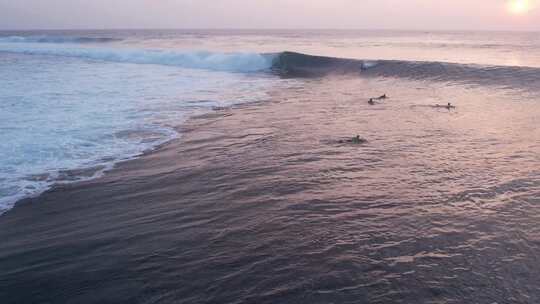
[[215, 167]]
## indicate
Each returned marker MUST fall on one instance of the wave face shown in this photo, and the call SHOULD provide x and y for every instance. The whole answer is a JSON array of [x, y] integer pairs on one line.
[[233, 62], [56, 39], [291, 64]]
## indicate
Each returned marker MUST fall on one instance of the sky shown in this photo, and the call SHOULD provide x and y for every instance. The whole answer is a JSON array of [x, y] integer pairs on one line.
[[262, 14]]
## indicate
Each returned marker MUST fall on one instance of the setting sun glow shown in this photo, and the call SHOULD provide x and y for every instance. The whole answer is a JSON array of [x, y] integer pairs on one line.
[[519, 6]]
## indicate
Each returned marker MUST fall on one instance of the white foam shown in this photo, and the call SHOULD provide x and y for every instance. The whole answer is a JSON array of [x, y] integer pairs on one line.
[[234, 62], [62, 113], [369, 64]]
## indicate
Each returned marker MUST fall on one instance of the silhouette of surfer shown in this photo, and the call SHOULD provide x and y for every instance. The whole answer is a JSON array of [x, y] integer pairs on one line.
[[354, 140], [448, 106], [371, 101]]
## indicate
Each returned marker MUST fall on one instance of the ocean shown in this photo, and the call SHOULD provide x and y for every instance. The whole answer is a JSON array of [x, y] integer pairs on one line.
[[214, 166], [75, 100]]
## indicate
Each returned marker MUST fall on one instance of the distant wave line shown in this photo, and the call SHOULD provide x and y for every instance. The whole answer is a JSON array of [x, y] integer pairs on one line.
[[56, 39]]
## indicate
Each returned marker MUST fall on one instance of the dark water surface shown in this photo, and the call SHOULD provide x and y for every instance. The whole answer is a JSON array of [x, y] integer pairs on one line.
[[261, 203]]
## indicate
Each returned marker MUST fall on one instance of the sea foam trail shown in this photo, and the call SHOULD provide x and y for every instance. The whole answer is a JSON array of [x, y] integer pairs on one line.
[[234, 62]]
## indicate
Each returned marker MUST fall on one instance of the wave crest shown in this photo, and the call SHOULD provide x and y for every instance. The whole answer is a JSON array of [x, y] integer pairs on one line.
[[233, 62]]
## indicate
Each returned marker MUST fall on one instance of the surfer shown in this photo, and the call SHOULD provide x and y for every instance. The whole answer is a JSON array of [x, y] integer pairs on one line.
[[354, 140], [371, 102], [448, 106], [357, 140], [382, 97]]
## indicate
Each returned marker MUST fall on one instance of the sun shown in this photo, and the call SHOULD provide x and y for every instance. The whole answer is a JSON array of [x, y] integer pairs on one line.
[[519, 7]]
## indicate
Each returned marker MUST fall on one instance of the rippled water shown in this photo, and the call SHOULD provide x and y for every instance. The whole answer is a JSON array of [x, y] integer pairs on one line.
[[438, 207], [267, 202], [263, 204]]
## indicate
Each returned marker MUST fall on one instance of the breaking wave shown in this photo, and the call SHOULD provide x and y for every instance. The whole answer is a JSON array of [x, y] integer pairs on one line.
[[290, 64], [234, 62]]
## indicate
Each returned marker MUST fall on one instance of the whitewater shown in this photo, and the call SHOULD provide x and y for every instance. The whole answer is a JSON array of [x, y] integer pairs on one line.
[[84, 108]]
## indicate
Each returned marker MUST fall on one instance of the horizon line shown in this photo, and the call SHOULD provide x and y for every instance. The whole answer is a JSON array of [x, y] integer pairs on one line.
[[264, 29]]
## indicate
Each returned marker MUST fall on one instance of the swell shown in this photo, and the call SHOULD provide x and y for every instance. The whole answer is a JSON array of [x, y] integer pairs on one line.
[[56, 39], [291, 64]]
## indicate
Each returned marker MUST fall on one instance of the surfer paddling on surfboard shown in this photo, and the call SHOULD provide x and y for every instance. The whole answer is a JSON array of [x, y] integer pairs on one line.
[[448, 106], [354, 140]]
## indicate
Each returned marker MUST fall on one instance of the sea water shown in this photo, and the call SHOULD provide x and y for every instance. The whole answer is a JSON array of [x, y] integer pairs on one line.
[[74, 103]]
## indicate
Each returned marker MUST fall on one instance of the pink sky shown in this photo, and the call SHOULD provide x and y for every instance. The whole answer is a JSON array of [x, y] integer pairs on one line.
[[356, 14]]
